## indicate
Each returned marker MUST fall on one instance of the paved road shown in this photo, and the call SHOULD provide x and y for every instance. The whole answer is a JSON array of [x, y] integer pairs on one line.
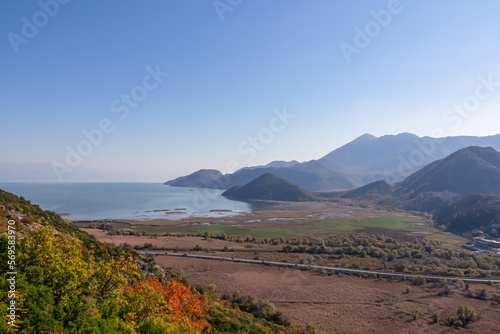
[[383, 274]]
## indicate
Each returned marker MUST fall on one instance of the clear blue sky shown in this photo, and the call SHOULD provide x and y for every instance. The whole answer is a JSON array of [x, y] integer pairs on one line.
[[225, 78]]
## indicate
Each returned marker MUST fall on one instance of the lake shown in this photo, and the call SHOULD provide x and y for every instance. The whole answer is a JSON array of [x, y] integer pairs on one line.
[[135, 201]]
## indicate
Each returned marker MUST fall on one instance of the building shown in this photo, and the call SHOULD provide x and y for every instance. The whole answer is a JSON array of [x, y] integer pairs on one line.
[[487, 244]]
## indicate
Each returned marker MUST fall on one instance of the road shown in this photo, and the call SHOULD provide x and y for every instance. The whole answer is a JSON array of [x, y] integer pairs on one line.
[[384, 274]]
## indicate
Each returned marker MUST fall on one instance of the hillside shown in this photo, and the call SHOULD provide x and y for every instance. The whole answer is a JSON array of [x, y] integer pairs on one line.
[[269, 187], [479, 212], [373, 191], [471, 170], [67, 282]]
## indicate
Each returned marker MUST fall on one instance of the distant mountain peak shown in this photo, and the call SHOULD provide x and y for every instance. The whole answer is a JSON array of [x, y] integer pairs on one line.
[[365, 137], [401, 136]]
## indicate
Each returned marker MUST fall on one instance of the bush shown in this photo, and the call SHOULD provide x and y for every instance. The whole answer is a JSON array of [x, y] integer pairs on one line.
[[259, 308], [435, 317], [465, 315], [445, 292], [415, 313], [280, 319], [495, 299], [311, 328], [483, 295], [419, 280]]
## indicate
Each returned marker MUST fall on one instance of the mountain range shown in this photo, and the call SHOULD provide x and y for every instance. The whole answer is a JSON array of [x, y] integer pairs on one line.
[[471, 170], [366, 159]]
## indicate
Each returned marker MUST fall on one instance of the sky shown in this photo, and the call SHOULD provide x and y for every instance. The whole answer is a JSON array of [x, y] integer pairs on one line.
[[151, 90]]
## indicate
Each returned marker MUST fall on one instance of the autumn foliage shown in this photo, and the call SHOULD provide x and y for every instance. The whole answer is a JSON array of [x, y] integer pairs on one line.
[[175, 303]]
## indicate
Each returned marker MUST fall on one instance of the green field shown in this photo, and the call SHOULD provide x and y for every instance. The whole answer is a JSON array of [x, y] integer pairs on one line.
[[299, 228], [291, 220]]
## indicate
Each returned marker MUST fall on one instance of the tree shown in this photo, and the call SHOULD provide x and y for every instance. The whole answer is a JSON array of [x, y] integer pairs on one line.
[[150, 304]]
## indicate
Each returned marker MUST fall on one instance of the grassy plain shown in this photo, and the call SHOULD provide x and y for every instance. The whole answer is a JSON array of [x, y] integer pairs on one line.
[[290, 220]]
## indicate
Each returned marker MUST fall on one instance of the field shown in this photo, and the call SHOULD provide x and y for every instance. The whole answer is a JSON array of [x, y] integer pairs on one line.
[[290, 220], [341, 304], [334, 304]]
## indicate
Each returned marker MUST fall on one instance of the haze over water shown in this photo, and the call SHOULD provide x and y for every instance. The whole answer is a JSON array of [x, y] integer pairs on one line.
[[90, 201]]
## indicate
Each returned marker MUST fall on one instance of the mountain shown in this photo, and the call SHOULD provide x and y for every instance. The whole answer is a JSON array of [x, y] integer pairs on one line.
[[281, 163], [374, 190], [471, 170], [394, 157], [364, 160], [276, 163], [313, 175], [269, 187], [462, 191], [203, 178]]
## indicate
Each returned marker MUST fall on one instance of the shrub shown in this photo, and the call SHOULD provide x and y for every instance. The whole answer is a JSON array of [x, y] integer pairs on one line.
[[483, 295], [495, 299], [445, 291], [415, 313], [311, 328], [280, 319], [419, 280], [465, 315], [435, 317]]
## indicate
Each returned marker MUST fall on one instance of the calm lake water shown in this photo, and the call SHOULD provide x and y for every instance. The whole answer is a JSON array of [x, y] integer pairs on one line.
[[87, 201]]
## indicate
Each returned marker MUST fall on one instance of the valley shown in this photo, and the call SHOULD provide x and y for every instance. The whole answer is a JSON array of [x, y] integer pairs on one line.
[[324, 234], [250, 167]]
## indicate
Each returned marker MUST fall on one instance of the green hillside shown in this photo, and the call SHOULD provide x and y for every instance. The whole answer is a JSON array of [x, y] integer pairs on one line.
[[472, 170], [269, 187]]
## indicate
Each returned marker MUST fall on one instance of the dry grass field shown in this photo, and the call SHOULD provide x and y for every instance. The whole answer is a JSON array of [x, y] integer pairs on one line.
[[344, 304], [173, 242]]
